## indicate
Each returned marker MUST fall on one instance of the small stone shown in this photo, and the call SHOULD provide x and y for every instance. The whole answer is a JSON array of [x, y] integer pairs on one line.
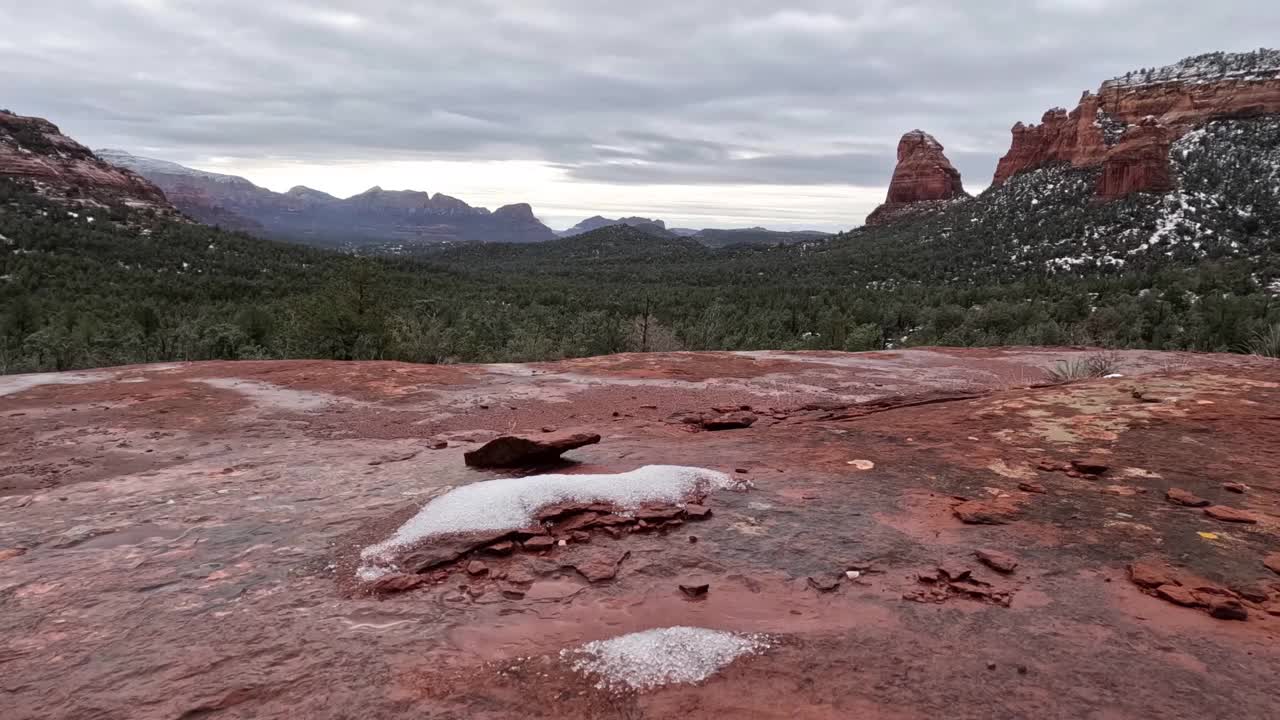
[[997, 561], [539, 543], [991, 665], [741, 471], [548, 429], [438, 444], [697, 512], [1022, 669], [523, 450], [506, 547], [1227, 609], [1090, 466], [477, 568], [1032, 488], [694, 592], [1228, 514], [1239, 488], [1182, 497]]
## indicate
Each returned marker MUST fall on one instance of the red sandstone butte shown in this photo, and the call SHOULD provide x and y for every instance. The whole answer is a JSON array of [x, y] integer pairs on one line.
[[923, 174]]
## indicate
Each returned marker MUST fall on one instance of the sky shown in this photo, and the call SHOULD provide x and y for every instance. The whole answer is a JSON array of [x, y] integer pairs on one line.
[[705, 113]]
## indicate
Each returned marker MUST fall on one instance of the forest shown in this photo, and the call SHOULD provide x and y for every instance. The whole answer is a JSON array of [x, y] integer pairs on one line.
[[1034, 262]]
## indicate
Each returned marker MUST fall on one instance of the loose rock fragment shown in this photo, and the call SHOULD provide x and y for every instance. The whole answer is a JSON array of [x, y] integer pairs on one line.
[[694, 592], [997, 561], [1090, 466], [1032, 488], [1227, 609], [523, 450], [1228, 514], [1150, 576], [1239, 488], [1182, 497]]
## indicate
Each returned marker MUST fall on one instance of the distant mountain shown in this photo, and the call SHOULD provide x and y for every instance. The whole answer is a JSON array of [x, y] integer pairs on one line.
[[653, 227], [35, 149], [318, 218], [710, 237]]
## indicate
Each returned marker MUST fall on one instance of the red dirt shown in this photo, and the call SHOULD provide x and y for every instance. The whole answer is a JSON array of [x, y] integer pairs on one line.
[[179, 542]]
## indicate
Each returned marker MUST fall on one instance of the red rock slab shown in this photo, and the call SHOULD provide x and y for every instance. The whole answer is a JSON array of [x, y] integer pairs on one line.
[[1229, 514], [1178, 595], [1150, 575], [1186, 499], [981, 512], [524, 450]]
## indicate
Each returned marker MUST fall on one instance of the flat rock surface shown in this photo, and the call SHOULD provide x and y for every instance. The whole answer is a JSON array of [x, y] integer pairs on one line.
[[180, 541]]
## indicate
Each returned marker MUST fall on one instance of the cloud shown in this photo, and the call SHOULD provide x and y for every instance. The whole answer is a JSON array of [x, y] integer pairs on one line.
[[686, 92]]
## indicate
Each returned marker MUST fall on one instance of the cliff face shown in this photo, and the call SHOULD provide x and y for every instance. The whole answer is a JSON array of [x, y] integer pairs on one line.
[[923, 174], [1124, 125], [35, 149]]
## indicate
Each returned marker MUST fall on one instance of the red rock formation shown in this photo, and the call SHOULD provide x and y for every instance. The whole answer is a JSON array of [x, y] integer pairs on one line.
[[923, 174], [1127, 127], [33, 148]]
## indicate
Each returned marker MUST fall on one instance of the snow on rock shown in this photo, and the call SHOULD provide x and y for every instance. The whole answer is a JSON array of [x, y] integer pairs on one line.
[[664, 656], [1261, 64], [512, 503]]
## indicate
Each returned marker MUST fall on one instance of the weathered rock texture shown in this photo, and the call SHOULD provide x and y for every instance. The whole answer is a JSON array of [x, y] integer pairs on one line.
[[923, 174], [1128, 126], [35, 149], [180, 541]]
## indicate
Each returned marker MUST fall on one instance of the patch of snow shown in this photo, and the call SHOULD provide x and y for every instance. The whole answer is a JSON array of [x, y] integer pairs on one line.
[[664, 656], [511, 503]]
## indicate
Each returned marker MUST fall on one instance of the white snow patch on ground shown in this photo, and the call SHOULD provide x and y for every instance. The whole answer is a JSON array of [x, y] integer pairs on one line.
[[14, 384], [511, 503], [665, 656]]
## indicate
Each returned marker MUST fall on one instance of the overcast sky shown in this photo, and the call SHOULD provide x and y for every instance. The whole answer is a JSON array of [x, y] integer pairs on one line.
[[701, 112]]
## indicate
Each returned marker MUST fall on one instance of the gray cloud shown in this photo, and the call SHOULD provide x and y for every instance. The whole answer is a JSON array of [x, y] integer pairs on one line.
[[666, 91]]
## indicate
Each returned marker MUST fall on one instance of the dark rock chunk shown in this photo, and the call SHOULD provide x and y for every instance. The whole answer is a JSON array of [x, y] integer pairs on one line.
[[1227, 609], [1182, 497], [505, 547], [477, 568], [1239, 488], [695, 592], [522, 450], [1031, 487], [1090, 466]]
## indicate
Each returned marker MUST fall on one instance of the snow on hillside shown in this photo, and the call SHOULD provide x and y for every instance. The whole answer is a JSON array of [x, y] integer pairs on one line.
[[1263, 64], [146, 166]]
